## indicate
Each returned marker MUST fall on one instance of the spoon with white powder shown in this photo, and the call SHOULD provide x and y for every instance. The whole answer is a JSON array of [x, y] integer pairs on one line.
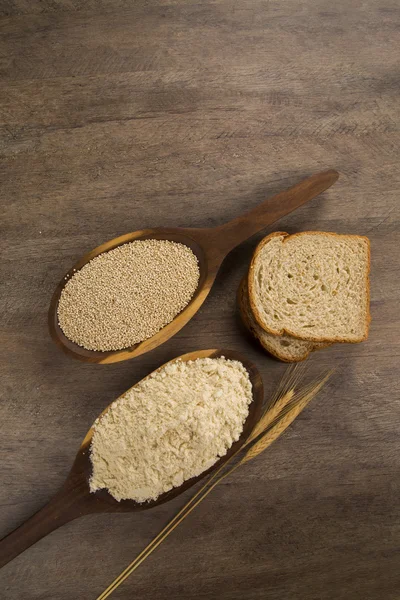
[[134, 292], [154, 442]]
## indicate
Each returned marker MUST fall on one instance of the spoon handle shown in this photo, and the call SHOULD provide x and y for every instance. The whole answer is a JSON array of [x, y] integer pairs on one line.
[[235, 232], [68, 504]]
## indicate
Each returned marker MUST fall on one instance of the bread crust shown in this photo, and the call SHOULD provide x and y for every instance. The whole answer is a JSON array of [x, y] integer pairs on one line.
[[283, 331]]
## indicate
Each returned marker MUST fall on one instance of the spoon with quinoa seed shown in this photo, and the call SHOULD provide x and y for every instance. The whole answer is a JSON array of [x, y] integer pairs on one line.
[[128, 294], [134, 292]]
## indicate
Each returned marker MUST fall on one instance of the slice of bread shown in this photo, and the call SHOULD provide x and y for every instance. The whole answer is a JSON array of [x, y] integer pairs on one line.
[[284, 347], [312, 285]]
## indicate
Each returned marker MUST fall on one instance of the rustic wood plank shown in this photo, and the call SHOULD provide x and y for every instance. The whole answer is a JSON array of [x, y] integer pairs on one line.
[[115, 116]]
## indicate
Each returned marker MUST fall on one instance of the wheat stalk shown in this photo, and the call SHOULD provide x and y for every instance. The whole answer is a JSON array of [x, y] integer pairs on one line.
[[281, 398], [283, 394], [295, 407], [290, 411], [270, 415], [284, 407]]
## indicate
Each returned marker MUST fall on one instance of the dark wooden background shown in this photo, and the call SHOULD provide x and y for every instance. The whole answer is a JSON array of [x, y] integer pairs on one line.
[[118, 115]]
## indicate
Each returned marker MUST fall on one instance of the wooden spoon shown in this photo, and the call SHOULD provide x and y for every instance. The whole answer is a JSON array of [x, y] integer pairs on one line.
[[210, 246], [74, 498]]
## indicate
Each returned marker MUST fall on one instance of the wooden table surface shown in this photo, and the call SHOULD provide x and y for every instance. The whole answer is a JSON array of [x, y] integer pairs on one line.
[[118, 115]]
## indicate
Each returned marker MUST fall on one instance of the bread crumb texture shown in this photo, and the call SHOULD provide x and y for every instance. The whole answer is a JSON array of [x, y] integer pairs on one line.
[[172, 426], [128, 294], [284, 347], [313, 285]]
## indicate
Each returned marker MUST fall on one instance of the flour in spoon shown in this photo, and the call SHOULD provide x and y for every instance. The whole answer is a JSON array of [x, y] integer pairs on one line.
[[172, 426]]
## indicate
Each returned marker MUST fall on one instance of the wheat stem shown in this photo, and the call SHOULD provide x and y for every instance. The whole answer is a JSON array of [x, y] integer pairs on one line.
[[128, 570], [283, 410], [186, 510]]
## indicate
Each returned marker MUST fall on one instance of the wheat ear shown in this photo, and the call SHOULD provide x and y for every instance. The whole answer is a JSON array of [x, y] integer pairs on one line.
[[297, 404]]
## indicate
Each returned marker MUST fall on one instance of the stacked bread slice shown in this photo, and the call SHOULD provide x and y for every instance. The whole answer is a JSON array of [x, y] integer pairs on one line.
[[306, 291]]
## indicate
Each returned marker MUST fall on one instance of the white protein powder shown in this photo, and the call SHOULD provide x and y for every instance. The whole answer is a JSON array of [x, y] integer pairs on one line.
[[170, 427]]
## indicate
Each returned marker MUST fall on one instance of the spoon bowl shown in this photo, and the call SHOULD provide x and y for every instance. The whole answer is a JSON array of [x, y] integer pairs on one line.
[[210, 246], [74, 499], [94, 356]]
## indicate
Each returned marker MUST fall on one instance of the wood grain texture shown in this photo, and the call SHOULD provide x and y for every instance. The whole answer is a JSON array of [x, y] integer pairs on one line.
[[117, 116]]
